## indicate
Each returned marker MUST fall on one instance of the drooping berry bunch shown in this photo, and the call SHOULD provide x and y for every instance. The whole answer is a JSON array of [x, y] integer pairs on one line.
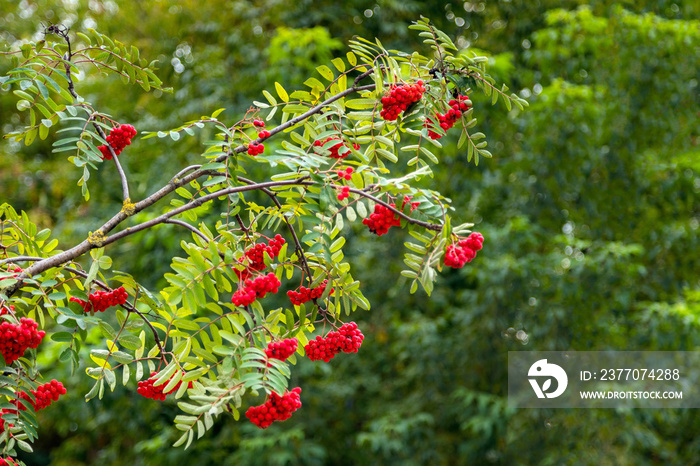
[[101, 300], [44, 395], [118, 138], [146, 388], [307, 294], [335, 148], [15, 339], [281, 349], [347, 339], [399, 98], [255, 149], [264, 134], [464, 251], [6, 310], [7, 462], [276, 408], [447, 121], [257, 288], [259, 123], [384, 218], [254, 258]]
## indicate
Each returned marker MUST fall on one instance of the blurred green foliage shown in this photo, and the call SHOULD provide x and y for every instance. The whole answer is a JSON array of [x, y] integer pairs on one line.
[[589, 207]]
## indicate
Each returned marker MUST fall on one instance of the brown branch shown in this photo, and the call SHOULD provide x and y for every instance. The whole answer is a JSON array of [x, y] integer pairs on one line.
[[194, 204], [98, 239], [189, 227]]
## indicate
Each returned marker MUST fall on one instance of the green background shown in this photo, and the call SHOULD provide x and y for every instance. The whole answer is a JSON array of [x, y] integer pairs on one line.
[[589, 208]]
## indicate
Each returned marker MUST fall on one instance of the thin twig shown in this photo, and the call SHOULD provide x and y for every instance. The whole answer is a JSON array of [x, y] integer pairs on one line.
[[188, 226]]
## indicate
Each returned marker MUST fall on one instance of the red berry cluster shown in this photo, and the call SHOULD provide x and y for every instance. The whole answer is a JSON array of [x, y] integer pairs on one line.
[[347, 339], [257, 288], [6, 310], [255, 149], [447, 121], [101, 300], [264, 134], [255, 256], [465, 250], [307, 294], [16, 271], [384, 218], [344, 193], [399, 98], [259, 123], [334, 149], [281, 349], [276, 408], [118, 138], [15, 339], [44, 395], [346, 174], [146, 388], [7, 462]]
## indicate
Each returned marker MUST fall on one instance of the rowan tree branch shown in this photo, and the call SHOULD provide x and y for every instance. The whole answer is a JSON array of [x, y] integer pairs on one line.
[[98, 238], [193, 204], [189, 227]]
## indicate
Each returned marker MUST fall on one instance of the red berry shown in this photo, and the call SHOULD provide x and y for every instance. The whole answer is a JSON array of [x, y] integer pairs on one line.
[[255, 149], [254, 258], [464, 251], [146, 388], [118, 139], [282, 349], [257, 288], [335, 148], [347, 339], [344, 193], [44, 395], [276, 408], [399, 98], [99, 301], [15, 339], [448, 120], [307, 294]]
